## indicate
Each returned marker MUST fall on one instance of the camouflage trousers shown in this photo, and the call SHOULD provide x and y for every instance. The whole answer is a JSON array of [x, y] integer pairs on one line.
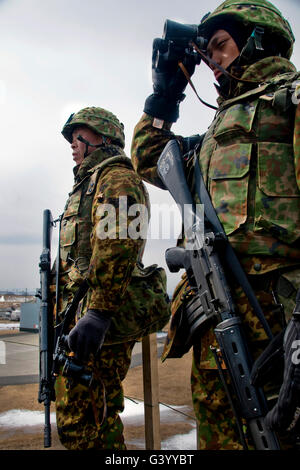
[[215, 419], [88, 417]]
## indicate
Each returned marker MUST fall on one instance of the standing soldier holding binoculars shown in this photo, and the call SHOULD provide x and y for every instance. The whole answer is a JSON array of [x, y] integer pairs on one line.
[[250, 161]]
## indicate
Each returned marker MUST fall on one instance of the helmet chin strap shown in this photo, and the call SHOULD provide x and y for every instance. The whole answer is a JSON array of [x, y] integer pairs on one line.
[[253, 45], [88, 144], [208, 60], [253, 48]]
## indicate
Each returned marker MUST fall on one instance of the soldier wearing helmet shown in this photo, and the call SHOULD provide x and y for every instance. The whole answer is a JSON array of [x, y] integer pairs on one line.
[[93, 251], [249, 158]]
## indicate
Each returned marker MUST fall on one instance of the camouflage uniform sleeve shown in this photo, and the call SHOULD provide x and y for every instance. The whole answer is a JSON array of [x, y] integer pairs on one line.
[[114, 252], [147, 145]]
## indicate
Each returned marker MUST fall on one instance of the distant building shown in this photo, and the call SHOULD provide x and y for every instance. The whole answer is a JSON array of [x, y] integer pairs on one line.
[[5, 313], [30, 311]]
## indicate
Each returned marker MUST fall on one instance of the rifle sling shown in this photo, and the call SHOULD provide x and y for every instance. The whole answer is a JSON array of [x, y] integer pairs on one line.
[[229, 254], [71, 309]]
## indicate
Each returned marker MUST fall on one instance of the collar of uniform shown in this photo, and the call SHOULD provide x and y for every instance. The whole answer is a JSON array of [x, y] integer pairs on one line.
[[94, 159], [260, 72], [263, 71]]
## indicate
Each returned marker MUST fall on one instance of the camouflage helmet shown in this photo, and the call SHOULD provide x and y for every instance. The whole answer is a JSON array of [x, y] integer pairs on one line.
[[99, 120], [251, 13]]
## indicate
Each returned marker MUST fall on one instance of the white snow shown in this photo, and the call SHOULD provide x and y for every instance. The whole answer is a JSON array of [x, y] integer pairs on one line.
[[10, 326], [132, 415], [23, 418]]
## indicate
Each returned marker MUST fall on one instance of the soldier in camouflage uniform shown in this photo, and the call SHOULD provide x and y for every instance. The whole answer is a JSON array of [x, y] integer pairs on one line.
[[95, 247], [250, 160]]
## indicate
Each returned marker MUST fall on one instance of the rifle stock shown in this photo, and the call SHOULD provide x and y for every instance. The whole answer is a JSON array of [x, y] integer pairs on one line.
[[207, 277]]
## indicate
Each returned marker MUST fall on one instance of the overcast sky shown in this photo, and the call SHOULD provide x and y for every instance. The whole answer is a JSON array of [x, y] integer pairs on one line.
[[58, 56]]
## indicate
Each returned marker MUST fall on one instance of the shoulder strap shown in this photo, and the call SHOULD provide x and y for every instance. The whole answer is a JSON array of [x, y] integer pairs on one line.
[[96, 171], [279, 81], [111, 161]]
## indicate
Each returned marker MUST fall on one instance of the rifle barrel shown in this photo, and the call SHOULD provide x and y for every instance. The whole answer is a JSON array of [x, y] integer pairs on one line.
[[47, 427], [45, 323]]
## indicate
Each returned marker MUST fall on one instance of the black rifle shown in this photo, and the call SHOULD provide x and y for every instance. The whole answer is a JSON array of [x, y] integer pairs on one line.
[[207, 256], [63, 360], [46, 389], [55, 356]]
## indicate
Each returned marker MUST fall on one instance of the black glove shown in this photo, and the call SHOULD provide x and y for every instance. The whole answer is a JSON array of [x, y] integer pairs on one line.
[[88, 334], [285, 415], [169, 82]]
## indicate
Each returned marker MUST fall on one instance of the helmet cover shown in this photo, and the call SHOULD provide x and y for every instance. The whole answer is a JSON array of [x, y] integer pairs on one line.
[[99, 120], [250, 14]]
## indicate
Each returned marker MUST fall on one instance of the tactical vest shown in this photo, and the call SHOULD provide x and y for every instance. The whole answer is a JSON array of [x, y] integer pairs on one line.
[[247, 160], [76, 224], [145, 307]]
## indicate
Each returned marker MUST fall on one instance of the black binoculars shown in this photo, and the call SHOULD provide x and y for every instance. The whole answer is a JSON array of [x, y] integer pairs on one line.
[[176, 43], [68, 364], [183, 34]]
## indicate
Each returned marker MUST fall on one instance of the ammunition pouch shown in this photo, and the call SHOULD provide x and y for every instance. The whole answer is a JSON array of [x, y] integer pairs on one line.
[[145, 306]]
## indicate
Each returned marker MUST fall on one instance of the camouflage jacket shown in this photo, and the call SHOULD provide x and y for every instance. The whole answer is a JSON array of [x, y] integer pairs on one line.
[[106, 263], [250, 163]]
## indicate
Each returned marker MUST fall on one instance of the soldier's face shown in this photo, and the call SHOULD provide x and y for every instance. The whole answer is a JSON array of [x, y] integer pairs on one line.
[[78, 147], [223, 50]]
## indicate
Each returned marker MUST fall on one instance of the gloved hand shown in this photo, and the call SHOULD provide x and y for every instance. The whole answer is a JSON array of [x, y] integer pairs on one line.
[[169, 82], [285, 415], [88, 334]]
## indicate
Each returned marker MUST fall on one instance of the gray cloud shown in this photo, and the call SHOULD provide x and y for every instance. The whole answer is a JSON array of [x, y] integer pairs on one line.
[[63, 55], [20, 239]]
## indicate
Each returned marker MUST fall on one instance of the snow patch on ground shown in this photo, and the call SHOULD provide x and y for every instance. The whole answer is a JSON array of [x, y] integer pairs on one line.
[[10, 326], [133, 414]]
